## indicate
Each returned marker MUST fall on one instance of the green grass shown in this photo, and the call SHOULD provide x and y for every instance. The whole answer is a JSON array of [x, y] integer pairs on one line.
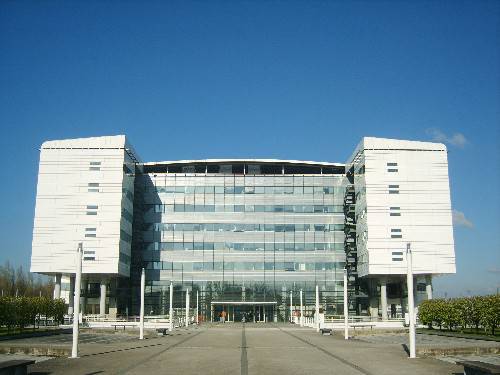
[[468, 333]]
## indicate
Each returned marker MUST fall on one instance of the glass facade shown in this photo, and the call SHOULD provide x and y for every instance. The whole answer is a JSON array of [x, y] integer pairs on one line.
[[236, 237]]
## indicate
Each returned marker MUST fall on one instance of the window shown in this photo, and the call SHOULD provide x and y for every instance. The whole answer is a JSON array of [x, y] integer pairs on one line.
[[92, 209], [396, 233], [93, 187], [95, 166], [393, 189], [394, 211], [397, 256], [90, 232], [392, 167]]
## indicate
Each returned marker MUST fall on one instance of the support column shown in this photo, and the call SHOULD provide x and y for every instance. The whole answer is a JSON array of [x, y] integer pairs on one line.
[[291, 307], [428, 286], [102, 299], [383, 298], [57, 286], [85, 283], [71, 302]]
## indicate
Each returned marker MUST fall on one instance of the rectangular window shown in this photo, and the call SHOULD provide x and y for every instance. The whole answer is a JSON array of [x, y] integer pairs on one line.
[[93, 187], [90, 232], [392, 164], [92, 207], [397, 256], [95, 166], [396, 233], [393, 189], [394, 211]]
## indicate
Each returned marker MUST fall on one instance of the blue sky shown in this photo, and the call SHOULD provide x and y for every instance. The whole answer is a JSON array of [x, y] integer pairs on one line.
[[292, 80]]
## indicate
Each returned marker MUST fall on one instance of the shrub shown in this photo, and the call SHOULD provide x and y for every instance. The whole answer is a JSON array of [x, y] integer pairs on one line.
[[462, 312]]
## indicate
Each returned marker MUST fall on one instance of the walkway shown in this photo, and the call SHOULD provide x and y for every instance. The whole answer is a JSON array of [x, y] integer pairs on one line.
[[245, 349]]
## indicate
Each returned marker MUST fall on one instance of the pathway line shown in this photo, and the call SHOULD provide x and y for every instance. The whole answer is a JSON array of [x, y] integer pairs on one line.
[[244, 360]]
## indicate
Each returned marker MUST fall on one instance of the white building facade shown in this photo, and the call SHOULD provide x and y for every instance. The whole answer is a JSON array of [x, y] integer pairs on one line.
[[247, 231]]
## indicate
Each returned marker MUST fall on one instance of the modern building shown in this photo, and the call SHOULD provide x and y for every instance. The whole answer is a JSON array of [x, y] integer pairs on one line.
[[243, 235]]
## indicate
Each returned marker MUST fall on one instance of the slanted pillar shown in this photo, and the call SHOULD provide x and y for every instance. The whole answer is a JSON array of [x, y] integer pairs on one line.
[[428, 286], [71, 302], [57, 286], [102, 299], [383, 298]]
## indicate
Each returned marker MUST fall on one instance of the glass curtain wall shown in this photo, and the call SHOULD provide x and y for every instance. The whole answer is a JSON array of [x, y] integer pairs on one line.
[[251, 238]]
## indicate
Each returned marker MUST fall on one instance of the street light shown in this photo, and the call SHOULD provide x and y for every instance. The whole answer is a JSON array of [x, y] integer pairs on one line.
[[76, 310], [346, 308], [411, 302]]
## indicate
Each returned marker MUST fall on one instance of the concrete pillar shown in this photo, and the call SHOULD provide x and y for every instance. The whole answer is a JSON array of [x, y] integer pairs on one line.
[[428, 286], [85, 283], [383, 298], [57, 286], [71, 301], [102, 299]]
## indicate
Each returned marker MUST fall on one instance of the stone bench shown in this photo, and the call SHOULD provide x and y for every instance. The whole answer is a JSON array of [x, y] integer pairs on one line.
[[479, 368], [15, 367]]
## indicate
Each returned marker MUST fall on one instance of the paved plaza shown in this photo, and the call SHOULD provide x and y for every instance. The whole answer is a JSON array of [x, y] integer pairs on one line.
[[236, 349]]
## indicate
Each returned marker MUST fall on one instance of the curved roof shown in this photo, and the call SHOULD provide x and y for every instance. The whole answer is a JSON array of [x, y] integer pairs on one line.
[[247, 161]]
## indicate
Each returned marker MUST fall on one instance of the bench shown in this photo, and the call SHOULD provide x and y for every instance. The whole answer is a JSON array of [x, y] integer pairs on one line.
[[479, 368], [15, 367], [119, 325], [361, 325], [326, 331]]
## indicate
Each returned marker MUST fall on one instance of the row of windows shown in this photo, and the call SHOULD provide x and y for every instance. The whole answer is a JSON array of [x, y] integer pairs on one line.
[[209, 227], [251, 189], [162, 208], [246, 246], [244, 266]]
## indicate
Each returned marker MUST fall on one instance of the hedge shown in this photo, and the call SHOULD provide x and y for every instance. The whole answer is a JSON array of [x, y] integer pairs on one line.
[[23, 311], [462, 313]]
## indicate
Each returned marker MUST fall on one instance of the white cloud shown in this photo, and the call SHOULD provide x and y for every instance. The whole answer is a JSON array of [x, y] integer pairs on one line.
[[459, 219], [493, 270], [456, 139]]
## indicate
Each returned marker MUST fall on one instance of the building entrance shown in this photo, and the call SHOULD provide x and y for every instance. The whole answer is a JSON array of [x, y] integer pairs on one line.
[[243, 311]]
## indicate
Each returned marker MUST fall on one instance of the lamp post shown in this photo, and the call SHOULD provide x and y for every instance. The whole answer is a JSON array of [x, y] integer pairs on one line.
[[301, 310], [197, 307], [317, 309], [346, 308], [187, 307], [76, 303], [171, 309], [141, 317], [291, 308], [411, 301]]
